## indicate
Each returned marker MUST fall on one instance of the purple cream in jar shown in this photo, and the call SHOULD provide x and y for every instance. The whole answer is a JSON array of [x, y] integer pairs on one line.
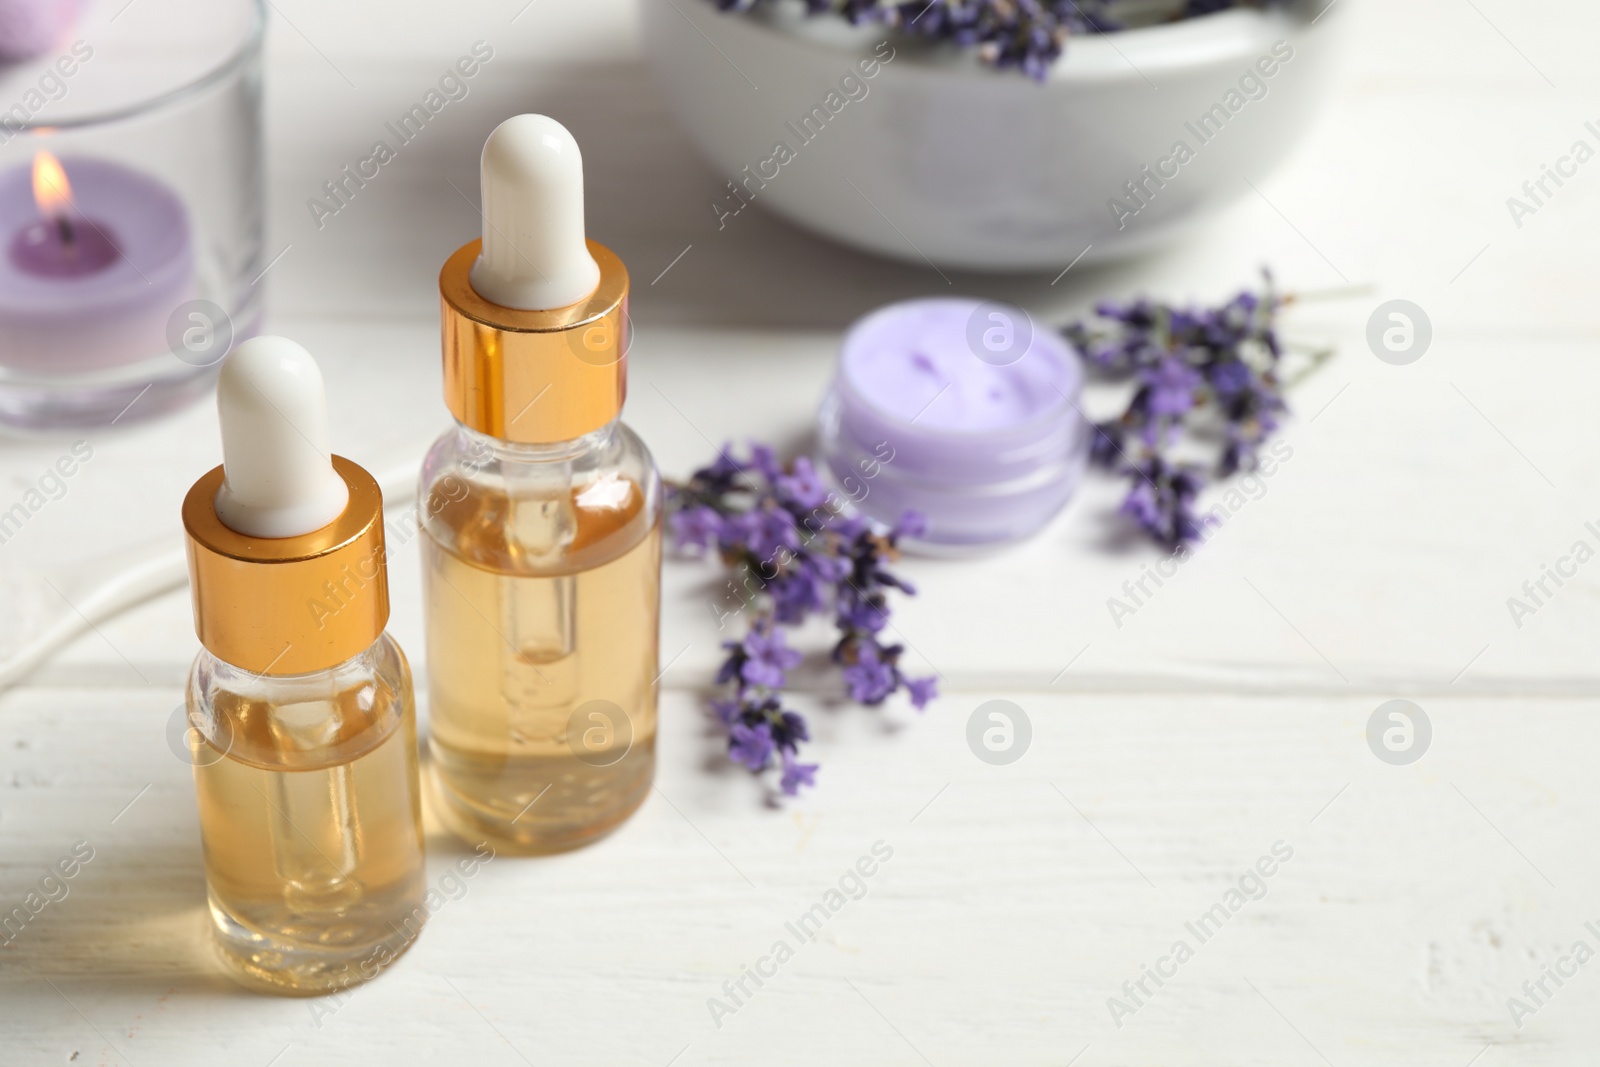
[[961, 409]]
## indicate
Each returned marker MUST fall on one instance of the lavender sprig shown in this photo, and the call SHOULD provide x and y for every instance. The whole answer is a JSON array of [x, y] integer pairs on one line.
[[1189, 366], [1026, 35], [795, 555]]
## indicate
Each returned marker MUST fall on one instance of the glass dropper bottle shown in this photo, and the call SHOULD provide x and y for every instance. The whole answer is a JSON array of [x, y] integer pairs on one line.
[[542, 560], [303, 728]]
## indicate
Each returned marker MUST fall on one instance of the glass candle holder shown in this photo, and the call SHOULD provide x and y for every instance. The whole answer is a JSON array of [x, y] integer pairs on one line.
[[130, 211], [962, 410]]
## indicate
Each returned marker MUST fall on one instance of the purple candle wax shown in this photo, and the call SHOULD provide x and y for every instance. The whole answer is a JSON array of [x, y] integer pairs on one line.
[[89, 285], [64, 248], [31, 28], [961, 409]]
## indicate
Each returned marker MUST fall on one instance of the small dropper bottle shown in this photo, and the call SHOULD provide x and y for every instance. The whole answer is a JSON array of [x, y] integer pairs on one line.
[[542, 560], [303, 727]]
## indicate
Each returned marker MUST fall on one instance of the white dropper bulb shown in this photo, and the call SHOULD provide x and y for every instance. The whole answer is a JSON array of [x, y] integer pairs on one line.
[[278, 476], [534, 254]]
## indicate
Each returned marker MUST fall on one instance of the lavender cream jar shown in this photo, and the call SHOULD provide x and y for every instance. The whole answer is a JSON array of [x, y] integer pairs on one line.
[[963, 410]]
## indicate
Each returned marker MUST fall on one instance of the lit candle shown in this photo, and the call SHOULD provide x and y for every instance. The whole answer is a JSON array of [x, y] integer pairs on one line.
[[57, 245], [94, 259], [963, 410]]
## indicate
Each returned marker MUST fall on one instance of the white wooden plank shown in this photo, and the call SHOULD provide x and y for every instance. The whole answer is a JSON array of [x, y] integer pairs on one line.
[[1016, 901]]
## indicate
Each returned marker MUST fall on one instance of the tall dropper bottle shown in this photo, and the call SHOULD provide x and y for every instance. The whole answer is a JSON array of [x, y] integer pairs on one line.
[[302, 724], [543, 512]]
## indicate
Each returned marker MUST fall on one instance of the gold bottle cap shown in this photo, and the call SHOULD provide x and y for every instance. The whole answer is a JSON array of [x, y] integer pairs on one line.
[[289, 605], [535, 377]]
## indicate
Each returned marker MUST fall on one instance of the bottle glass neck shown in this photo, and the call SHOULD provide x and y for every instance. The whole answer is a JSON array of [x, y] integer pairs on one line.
[[484, 446]]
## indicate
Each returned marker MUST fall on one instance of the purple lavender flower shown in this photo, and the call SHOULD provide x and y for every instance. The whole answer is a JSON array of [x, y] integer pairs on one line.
[[698, 527], [1185, 362], [788, 730], [868, 677], [766, 658], [1171, 386], [803, 486], [864, 616], [765, 460], [1229, 378], [1105, 447], [766, 531], [802, 560], [797, 774], [801, 590], [723, 472], [750, 745], [1026, 35], [922, 691], [832, 570], [1161, 501]]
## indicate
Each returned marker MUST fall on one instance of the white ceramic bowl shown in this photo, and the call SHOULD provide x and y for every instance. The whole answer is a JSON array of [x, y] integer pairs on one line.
[[937, 158]]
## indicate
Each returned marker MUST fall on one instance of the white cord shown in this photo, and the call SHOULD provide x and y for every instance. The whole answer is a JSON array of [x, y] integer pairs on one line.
[[161, 571]]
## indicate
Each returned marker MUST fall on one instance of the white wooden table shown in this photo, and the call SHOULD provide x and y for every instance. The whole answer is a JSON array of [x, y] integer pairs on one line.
[[1168, 753]]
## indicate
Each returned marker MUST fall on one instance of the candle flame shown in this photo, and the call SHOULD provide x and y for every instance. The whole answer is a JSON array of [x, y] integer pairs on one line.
[[51, 191]]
